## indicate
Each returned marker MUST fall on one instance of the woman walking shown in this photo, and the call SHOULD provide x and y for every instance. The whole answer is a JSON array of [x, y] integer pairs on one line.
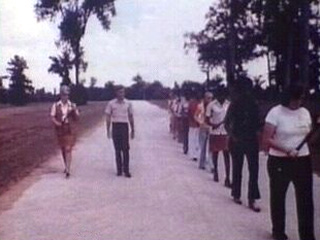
[[63, 113], [286, 127]]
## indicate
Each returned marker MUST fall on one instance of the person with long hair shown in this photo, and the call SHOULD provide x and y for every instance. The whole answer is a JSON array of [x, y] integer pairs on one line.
[[286, 127], [63, 114], [204, 129]]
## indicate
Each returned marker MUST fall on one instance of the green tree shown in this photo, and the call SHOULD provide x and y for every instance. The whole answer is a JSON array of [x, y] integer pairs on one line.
[[138, 88], [231, 37], [291, 35], [62, 65], [73, 16], [20, 87]]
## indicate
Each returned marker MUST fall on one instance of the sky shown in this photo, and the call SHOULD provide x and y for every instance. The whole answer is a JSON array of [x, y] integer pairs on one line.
[[146, 37]]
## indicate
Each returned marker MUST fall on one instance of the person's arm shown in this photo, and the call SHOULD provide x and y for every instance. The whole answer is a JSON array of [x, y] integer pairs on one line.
[[108, 125], [270, 142], [74, 113], [227, 119], [53, 116], [131, 121], [55, 122], [108, 119]]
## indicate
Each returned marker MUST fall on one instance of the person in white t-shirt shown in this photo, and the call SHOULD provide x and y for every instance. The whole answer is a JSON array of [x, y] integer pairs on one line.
[[286, 127], [218, 141], [119, 115]]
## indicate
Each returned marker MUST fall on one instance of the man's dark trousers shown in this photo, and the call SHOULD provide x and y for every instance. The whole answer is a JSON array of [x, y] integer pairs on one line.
[[238, 150], [120, 135]]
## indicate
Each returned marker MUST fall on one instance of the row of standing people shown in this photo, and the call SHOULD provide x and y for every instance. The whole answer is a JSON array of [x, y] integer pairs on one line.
[[234, 127]]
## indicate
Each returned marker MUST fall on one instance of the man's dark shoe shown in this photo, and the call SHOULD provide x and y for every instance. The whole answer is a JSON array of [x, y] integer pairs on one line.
[[253, 206], [227, 183], [279, 236], [128, 175], [215, 176], [237, 201], [119, 173]]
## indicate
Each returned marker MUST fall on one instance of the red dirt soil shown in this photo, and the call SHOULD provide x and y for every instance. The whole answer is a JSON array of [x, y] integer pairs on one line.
[[27, 138]]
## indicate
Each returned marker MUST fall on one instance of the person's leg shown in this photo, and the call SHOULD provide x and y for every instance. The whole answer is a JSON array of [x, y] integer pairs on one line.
[[193, 143], [203, 139], [126, 160], [125, 149], [215, 166], [279, 179], [252, 154], [175, 127], [237, 165], [63, 151], [185, 135], [68, 155], [180, 130], [226, 157], [117, 142], [119, 161], [171, 124], [303, 184]]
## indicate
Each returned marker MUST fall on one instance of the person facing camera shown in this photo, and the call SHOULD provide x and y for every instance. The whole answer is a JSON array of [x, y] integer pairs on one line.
[[63, 114], [119, 114], [286, 127]]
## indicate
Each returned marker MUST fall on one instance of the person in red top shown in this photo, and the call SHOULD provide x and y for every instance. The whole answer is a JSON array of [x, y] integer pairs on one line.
[[193, 147]]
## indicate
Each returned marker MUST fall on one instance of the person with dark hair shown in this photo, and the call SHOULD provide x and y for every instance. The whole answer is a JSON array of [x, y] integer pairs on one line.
[[63, 114], [204, 129], [242, 123], [193, 136], [184, 113], [218, 141], [285, 129], [119, 113]]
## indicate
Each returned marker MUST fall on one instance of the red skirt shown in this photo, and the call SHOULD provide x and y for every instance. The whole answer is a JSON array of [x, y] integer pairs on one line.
[[218, 143], [66, 141], [65, 136]]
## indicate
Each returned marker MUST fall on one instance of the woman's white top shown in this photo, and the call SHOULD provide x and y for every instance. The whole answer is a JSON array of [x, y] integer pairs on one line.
[[217, 113], [291, 127]]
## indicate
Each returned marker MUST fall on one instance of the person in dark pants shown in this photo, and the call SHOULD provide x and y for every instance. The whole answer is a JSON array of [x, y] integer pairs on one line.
[[119, 112], [242, 123], [286, 127]]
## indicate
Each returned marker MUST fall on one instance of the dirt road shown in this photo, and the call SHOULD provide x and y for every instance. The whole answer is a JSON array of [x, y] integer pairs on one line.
[[167, 198]]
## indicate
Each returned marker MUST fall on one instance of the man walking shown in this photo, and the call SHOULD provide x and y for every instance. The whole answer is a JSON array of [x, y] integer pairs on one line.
[[119, 114]]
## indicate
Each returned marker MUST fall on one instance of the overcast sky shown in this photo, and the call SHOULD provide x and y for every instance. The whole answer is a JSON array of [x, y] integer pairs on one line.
[[146, 37]]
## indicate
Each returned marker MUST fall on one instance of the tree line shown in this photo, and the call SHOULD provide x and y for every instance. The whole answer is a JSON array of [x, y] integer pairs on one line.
[[238, 32], [20, 90]]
